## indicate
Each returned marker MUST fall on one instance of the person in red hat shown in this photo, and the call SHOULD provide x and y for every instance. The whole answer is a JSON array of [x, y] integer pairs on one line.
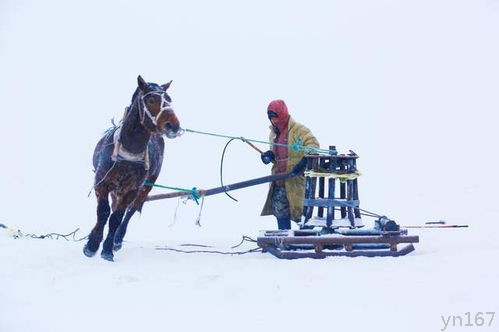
[[285, 197]]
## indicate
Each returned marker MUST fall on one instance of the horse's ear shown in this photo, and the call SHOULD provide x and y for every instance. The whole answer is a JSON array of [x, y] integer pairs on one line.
[[141, 82], [167, 85]]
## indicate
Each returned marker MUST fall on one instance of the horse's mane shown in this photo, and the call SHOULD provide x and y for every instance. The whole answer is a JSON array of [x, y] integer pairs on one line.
[[111, 129], [134, 96]]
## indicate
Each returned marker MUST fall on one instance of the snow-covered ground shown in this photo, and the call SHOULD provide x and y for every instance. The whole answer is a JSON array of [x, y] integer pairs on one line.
[[51, 286], [411, 86]]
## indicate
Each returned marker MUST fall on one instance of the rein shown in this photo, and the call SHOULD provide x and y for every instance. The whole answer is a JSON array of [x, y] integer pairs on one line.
[[297, 146]]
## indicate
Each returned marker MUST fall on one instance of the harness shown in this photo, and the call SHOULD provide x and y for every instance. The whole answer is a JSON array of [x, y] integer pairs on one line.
[[120, 153]]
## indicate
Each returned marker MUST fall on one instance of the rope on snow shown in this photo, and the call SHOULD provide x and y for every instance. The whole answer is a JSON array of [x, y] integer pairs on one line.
[[18, 234], [197, 251]]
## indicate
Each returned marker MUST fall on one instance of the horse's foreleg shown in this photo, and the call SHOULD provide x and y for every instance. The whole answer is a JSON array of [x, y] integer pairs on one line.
[[96, 235], [114, 222]]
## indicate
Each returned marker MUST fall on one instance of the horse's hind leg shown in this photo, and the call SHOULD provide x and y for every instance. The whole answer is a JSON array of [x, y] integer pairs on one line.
[[136, 206], [96, 235], [120, 232]]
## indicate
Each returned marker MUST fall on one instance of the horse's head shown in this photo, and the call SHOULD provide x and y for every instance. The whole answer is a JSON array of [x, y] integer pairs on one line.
[[156, 113]]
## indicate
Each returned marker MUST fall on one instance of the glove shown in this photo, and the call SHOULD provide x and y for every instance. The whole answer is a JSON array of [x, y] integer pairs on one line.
[[267, 157], [300, 167]]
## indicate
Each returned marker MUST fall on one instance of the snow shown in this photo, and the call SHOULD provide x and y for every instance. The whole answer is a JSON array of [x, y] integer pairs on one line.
[[410, 86]]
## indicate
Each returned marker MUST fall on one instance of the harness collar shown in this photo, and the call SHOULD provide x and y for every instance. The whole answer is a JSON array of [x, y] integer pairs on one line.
[[120, 153]]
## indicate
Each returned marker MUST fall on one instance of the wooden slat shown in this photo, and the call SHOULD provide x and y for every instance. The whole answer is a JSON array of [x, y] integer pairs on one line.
[[336, 239], [326, 202]]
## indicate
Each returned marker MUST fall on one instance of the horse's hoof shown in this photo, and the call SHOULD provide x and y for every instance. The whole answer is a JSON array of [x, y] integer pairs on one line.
[[107, 256], [117, 246], [88, 252]]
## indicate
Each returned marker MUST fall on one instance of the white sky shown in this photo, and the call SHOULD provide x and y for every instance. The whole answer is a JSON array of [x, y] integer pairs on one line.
[[411, 86]]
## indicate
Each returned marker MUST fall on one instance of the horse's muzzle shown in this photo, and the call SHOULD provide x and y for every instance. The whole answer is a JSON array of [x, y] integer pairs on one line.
[[172, 130]]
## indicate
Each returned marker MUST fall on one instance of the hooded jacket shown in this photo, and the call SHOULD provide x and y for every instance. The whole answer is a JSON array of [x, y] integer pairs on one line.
[[295, 186]]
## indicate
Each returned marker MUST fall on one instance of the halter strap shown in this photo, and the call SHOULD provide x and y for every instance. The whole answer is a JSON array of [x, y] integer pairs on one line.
[[144, 111]]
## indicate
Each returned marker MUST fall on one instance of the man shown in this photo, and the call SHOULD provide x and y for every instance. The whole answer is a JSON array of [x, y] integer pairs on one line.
[[285, 197]]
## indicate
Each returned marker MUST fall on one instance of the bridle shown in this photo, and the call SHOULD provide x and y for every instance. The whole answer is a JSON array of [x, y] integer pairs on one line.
[[145, 113]]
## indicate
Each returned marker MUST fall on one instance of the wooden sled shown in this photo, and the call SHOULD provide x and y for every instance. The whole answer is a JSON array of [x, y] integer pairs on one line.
[[293, 244]]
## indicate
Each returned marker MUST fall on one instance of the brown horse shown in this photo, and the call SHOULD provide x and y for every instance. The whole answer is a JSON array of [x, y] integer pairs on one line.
[[125, 159]]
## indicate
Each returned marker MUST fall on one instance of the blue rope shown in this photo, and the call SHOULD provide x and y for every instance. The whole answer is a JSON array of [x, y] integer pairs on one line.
[[297, 146], [193, 192]]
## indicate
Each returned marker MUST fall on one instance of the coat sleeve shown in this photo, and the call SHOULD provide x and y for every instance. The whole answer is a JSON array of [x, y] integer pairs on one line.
[[308, 139]]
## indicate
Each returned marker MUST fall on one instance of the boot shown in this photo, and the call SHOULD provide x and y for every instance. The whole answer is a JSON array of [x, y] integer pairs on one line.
[[283, 223]]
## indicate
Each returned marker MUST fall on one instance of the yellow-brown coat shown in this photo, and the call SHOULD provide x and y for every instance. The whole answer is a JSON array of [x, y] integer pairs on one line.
[[295, 186]]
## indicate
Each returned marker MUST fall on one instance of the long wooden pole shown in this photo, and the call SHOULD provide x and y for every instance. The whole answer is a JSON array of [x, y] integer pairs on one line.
[[229, 187]]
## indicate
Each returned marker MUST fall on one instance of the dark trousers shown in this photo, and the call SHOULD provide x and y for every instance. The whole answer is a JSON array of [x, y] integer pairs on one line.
[[280, 207]]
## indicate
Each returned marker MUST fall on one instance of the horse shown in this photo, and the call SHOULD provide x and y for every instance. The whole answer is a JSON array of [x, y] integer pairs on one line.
[[127, 161]]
